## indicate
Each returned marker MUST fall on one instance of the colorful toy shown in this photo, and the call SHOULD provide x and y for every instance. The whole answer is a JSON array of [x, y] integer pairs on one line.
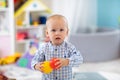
[[25, 60], [3, 3], [53, 63], [19, 23], [46, 67], [42, 19], [22, 35], [10, 59], [35, 23]]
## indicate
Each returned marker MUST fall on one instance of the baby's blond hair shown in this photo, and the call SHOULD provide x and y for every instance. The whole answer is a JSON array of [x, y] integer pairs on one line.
[[57, 16]]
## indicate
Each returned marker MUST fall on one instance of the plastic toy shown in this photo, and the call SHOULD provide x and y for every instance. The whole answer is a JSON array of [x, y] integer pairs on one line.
[[42, 19], [53, 62], [25, 60], [2, 3], [10, 59], [35, 23], [22, 35], [46, 67], [19, 23]]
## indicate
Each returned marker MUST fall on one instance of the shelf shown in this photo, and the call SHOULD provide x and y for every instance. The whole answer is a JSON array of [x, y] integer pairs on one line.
[[3, 9], [30, 21], [31, 27], [27, 41], [23, 41], [4, 33]]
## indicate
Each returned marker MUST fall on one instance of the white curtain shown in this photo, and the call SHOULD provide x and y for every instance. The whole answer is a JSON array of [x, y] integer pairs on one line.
[[80, 13]]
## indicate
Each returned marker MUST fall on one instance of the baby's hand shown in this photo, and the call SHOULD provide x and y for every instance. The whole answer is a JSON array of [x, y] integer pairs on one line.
[[39, 66], [62, 62]]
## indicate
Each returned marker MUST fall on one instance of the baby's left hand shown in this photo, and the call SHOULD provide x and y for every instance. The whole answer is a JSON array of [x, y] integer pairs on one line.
[[62, 62]]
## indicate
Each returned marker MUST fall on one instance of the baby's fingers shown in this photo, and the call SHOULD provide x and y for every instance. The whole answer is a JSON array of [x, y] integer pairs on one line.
[[58, 65], [41, 67]]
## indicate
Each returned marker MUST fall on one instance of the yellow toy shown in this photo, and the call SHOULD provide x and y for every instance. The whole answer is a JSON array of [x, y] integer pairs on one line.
[[19, 23], [10, 59], [35, 23], [2, 3], [46, 67]]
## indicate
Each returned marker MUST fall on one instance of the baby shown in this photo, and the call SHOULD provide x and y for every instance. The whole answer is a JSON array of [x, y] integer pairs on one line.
[[66, 53]]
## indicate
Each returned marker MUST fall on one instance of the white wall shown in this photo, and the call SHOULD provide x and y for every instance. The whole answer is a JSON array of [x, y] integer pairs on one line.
[[48, 3], [80, 13]]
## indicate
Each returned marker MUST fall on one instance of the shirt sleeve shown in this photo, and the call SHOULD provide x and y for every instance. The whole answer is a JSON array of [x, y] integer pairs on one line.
[[38, 57], [75, 57]]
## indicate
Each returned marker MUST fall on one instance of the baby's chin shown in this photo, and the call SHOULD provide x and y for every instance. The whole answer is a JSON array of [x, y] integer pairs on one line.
[[58, 43]]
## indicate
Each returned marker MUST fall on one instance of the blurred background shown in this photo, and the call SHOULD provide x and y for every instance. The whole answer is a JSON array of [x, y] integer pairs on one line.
[[94, 30]]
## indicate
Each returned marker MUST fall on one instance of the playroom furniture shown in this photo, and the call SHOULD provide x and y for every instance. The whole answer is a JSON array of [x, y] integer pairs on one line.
[[6, 27], [30, 21]]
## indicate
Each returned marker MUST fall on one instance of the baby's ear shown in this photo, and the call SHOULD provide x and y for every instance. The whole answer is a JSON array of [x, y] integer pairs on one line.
[[67, 31], [46, 32]]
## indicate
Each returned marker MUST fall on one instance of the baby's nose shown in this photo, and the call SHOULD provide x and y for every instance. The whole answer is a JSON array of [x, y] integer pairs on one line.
[[57, 32]]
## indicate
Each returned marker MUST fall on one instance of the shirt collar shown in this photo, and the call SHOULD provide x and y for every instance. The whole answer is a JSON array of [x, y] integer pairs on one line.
[[61, 45]]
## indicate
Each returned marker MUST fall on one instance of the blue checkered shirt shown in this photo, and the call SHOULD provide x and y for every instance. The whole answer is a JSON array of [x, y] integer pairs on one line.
[[65, 50]]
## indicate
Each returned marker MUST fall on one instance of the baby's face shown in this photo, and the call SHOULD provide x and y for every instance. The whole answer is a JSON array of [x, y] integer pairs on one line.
[[57, 31]]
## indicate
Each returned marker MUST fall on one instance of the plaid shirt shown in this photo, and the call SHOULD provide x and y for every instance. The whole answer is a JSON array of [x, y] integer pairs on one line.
[[65, 50]]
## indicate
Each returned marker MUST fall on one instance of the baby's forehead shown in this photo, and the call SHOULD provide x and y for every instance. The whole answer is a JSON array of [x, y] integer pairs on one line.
[[56, 17], [56, 25], [56, 21]]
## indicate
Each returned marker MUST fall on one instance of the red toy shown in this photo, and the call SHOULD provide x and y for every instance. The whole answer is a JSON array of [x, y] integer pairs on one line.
[[22, 35], [53, 62]]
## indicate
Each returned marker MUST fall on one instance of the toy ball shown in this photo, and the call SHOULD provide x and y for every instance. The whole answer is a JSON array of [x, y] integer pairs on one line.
[[53, 62], [46, 67]]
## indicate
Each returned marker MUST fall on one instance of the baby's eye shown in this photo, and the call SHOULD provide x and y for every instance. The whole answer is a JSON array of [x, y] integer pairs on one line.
[[53, 30], [61, 29]]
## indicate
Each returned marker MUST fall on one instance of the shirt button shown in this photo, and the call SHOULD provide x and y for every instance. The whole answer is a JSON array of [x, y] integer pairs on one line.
[[55, 49], [64, 56], [56, 78]]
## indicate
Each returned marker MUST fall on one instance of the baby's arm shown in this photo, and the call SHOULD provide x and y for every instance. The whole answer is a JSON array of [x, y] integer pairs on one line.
[[39, 66], [75, 57], [37, 59], [61, 62]]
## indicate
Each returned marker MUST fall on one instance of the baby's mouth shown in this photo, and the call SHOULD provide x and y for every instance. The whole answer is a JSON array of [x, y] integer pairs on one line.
[[58, 38]]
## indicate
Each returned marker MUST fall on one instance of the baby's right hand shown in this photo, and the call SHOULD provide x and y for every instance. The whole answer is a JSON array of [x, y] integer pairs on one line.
[[39, 66]]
